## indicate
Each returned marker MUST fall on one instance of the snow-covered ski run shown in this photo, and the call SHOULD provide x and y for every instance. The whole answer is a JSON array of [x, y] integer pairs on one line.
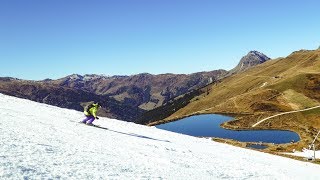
[[40, 141]]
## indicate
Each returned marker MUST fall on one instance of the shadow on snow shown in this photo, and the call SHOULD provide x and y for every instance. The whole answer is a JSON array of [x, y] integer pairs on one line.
[[130, 134]]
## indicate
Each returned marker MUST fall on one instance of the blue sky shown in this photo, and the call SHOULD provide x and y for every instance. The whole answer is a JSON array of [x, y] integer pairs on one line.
[[53, 38]]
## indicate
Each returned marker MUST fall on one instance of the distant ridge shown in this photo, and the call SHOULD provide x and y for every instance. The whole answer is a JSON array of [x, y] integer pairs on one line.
[[135, 94], [118, 94], [146, 91]]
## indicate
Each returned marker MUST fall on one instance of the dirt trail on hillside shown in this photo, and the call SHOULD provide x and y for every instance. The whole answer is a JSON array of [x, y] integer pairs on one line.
[[259, 122]]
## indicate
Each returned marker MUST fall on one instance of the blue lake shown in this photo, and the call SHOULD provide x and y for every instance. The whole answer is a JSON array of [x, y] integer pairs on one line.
[[208, 125]]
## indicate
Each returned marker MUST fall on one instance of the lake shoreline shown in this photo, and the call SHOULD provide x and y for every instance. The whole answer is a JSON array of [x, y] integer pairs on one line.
[[212, 125]]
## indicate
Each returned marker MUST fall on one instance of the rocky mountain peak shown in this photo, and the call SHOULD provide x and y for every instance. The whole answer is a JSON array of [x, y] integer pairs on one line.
[[75, 76], [256, 55], [252, 59]]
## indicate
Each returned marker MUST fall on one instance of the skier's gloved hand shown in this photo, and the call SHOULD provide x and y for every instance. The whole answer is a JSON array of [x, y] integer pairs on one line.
[[97, 117]]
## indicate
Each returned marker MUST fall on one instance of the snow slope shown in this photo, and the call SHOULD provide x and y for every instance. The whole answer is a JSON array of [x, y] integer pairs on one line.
[[39, 141], [309, 154]]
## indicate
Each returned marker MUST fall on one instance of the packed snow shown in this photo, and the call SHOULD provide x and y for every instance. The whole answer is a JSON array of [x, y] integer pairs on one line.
[[40, 141], [306, 153]]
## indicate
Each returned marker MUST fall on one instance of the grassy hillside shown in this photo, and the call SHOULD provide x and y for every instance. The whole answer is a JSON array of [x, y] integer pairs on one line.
[[279, 85]]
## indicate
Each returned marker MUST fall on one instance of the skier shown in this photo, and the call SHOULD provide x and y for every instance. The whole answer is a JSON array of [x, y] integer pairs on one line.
[[91, 113]]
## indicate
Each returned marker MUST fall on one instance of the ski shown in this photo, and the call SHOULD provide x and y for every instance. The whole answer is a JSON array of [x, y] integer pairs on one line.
[[93, 125]]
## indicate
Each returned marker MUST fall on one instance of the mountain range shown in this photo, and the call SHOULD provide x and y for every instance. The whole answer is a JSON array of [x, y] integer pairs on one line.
[[134, 94], [145, 91]]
